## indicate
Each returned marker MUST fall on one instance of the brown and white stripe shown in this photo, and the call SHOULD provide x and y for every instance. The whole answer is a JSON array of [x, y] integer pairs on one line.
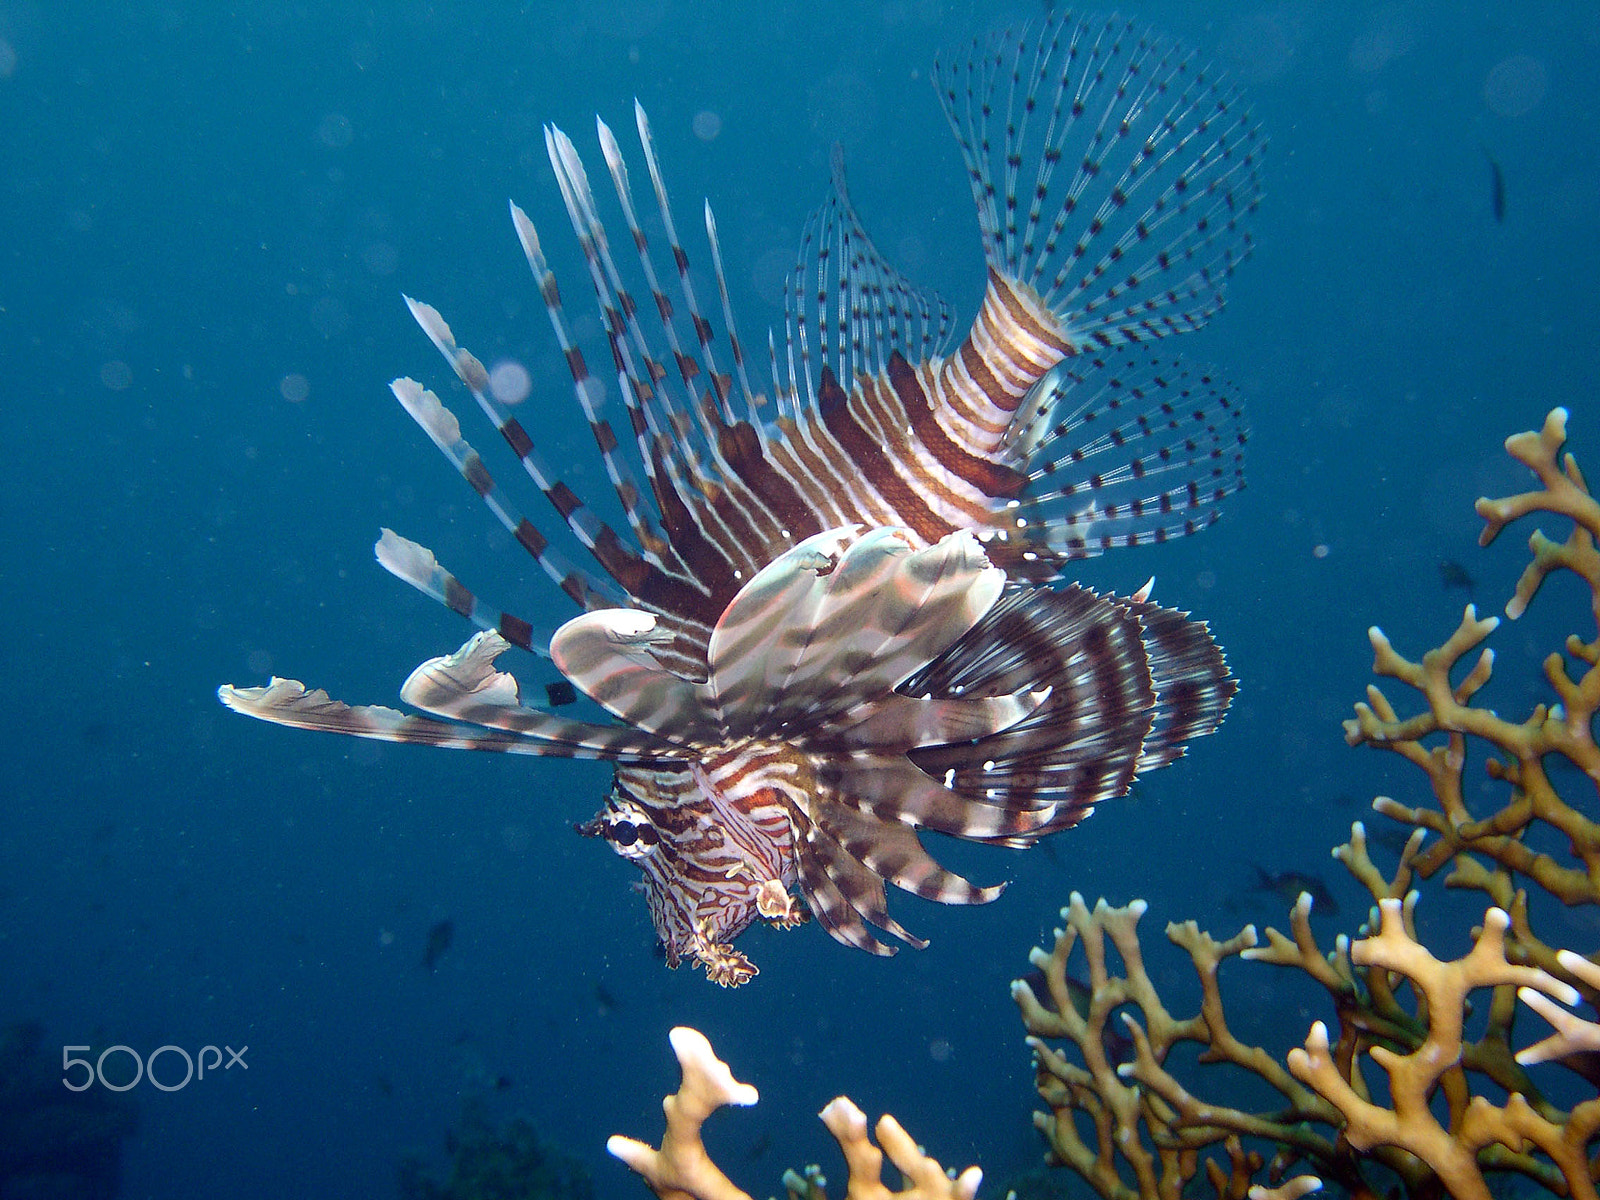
[[821, 620]]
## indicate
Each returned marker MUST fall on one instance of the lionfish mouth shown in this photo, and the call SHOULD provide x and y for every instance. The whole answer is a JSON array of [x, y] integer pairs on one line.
[[840, 610]]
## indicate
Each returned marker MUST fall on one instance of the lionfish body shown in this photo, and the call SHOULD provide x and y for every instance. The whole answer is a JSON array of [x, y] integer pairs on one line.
[[838, 615]]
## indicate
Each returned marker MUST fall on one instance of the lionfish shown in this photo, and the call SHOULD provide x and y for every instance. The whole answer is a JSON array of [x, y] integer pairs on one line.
[[839, 612]]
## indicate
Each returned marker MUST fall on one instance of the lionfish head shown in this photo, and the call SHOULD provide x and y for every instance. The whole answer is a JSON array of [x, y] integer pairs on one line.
[[800, 739]]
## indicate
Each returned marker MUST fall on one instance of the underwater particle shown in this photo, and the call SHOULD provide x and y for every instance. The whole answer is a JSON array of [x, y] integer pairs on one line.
[[509, 381], [329, 316], [707, 125], [380, 258], [116, 375], [1516, 85], [1379, 45], [1262, 46], [1320, 550], [516, 838], [560, 692], [335, 131], [294, 387], [770, 275], [939, 1050], [259, 662]]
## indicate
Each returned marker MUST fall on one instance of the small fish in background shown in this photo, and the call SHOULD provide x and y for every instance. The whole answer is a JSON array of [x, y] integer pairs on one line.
[[1119, 1046], [1287, 886], [1586, 1063], [1497, 188], [1389, 836], [439, 939], [1453, 575]]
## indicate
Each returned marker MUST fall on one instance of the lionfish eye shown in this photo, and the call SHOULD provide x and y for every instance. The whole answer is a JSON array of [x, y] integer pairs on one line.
[[627, 833], [629, 829]]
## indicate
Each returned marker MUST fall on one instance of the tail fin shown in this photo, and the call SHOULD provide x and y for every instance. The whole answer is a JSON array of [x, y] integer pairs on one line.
[[1112, 175]]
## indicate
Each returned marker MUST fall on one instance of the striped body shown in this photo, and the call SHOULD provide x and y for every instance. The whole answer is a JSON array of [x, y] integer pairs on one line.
[[838, 612]]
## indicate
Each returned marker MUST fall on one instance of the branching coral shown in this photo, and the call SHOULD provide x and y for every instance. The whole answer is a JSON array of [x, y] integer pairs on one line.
[[1408, 1122], [1426, 1117], [1134, 1129], [490, 1161], [682, 1170]]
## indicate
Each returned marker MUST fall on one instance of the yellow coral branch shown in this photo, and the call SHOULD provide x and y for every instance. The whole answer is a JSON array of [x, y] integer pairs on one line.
[[1410, 1124], [925, 1179], [682, 1170], [1572, 1033]]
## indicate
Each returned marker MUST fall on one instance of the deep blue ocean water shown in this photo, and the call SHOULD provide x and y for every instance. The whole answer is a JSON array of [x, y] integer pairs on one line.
[[210, 213]]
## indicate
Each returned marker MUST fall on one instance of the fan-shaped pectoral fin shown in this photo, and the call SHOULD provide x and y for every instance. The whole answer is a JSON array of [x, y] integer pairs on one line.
[[890, 609], [893, 850], [608, 654], [835, 909], [765, 630], [508, 731], [465, 686], [900, 723], [893, 787]]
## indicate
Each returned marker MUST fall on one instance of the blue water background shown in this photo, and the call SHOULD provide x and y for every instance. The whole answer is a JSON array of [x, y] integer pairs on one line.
[[201, 201]]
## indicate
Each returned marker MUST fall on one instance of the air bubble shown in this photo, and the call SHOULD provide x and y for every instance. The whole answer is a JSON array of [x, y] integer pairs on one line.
[[1516, 85], [294, 387], [335, 131], [707, 125], [509, 382], [116, 375]]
